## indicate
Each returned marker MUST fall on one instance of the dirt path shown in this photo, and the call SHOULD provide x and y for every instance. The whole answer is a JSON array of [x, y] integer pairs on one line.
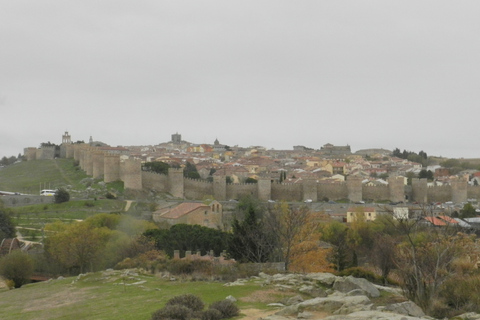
[[127, 206]]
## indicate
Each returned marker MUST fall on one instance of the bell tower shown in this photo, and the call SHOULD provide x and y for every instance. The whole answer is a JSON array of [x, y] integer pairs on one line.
[[66, 139]]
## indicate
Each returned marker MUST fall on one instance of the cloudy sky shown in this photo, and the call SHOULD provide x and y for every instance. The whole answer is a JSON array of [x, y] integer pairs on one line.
[[370, 74]]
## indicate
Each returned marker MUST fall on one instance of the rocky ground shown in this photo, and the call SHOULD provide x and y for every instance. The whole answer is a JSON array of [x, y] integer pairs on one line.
[[326, 296]]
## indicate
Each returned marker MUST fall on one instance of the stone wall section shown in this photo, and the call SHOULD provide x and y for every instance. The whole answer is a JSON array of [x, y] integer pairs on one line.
[[419, 191], [176, 183], [459, 190], [439, 194], [332, 191], [131, 174], [220, 188], [396, 187], [376, 193], [355, 190], [155, 181], [287, 191], [264, 189], [98, 159], [197, 189], [45, 153], [30, 153], [473, 192], [88, 161], [309, 190], [239, 190], [111, 168]]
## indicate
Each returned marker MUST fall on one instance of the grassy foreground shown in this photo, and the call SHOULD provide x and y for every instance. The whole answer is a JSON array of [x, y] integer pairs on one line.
[[113, 295]]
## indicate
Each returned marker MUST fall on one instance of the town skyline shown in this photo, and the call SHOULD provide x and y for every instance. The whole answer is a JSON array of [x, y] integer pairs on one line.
[[57, 139]]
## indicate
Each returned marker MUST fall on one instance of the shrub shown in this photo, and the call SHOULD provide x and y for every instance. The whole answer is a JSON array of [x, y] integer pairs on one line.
[[18, 267], [89, 204], [62, 195], [110, 195], [178, 267], [176, 311], [211, 314], [227, 308], [188, 300]]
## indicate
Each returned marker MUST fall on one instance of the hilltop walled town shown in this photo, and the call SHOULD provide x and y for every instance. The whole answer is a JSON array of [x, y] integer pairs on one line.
[[329, 173]]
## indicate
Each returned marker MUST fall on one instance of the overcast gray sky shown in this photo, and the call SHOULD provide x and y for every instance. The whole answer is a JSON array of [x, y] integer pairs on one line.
[[371, 74]]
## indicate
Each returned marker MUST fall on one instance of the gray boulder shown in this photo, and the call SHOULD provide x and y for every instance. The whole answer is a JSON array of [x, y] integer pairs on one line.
[[324, 278], [350, 283], [469, 316], [313, 291], [408, 307], [334, 303], [372, 315]]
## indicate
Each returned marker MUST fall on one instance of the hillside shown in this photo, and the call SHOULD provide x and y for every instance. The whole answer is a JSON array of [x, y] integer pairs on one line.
[[129, 294], [31, 176], [116, 295]]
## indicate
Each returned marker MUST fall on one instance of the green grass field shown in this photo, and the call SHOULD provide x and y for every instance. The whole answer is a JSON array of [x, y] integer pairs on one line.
[[30, 220], [31, 176], [106, 296]]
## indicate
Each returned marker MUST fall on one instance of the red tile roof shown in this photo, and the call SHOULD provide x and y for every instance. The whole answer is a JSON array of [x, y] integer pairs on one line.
[[435, 221], [448, 219], [181, 210]]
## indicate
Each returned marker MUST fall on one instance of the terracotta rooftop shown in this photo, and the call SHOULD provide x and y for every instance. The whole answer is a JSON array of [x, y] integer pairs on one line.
[[448, 219], [180, 210], [435, 221]]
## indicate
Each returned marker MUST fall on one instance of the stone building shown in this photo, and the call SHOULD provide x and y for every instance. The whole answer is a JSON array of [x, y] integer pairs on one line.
[[207, 215]]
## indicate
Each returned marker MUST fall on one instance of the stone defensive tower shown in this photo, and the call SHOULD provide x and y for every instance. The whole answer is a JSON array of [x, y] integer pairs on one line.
[[220, 187], [98, 164], [459, 190], [88, 161], [355, 188], [176, 184], [264, 189], [310, 189], [30, 153], [419, 190], [396, 187], [111, 168], [131, 174]]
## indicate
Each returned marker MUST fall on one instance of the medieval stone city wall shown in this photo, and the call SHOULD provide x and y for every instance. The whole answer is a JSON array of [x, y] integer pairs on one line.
[[439, 194], [309, 190], [197, 189], [287, 191], [419, 191], [239, 190], [131, 174], [155, 181], [98, 164], [379, 193], [98, 160], [111, 169], [332, 191], [45, 153], [473, 192]]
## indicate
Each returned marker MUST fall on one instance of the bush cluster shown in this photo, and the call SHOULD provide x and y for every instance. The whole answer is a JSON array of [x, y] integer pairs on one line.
[[189, 306]]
